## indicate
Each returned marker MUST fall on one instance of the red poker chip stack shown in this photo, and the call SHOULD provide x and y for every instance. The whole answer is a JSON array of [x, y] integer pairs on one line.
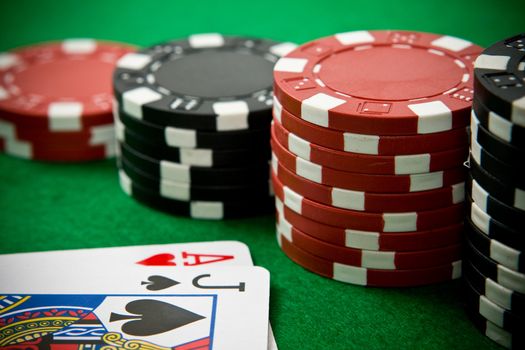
[[369, 139], [56, 100]]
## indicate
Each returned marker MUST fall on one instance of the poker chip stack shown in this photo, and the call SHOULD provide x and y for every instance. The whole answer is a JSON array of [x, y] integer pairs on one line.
[[193, 123], [55, 100], [369, 139], [494, 266]]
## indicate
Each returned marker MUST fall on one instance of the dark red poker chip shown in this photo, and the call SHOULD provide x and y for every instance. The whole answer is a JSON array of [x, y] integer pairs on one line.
[[59, 86], [380, 82]]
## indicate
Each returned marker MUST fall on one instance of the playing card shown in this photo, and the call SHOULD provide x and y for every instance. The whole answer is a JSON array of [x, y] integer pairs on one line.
[[133, 308], [221, 253], [194, 255]]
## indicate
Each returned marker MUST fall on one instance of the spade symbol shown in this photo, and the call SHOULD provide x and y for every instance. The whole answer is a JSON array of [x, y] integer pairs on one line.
[[158, 283], [152, 317]]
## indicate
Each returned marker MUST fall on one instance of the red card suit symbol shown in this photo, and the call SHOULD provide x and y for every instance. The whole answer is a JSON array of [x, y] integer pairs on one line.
[[164, 259], [152, 317]]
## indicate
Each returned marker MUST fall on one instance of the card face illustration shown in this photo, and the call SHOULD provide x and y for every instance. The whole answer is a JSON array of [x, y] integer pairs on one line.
[[133, 308]]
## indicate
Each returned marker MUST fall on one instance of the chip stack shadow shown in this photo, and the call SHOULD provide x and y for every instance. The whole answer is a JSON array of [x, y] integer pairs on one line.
[[193, 124], [494, 266], [369, 140]]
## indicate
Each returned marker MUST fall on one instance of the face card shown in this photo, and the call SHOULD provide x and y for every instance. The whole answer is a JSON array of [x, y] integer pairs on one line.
[[206, 254], [189, 255], [133, 308]]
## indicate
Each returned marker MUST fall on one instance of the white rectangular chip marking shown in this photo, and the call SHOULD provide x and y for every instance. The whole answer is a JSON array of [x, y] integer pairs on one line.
[[315, 108], [18, 148], [428, 181], [282, 49], [285, 228], [176, 137], [456, 269], [475, 151], [474, 122], [348, 199], [298, 146], [458, 193], [356, 37], [275, 164], [290, 65], [511, 279], [518, 112], [480, 218], [479, 195], [360, 143], [500, 126], [103, 133], [175, 190], [3, 94], [277, 109], [350, 274], [204, 40], [7, 130], [175, 172], [293, 200], [279, 206], [498, 335], [125, 182], [120, 131], [79, 46], [492, 62], [451, 43], [504, 254], [362, 239], [133, 100], [134, 61], [491, 311], [519, 199], [432, 117], [196, 156], [7, 60], [411, 164], [232, 115], [400, 222], [498, 294], [378, 260], [308, 170], [65, 116], [207, 210]]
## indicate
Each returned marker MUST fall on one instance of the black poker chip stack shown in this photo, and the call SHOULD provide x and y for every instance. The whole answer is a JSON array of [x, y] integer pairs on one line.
[[193, 123], [494, 265]]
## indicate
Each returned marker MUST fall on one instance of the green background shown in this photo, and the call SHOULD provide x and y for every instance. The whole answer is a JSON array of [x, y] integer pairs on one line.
[[50, 206]]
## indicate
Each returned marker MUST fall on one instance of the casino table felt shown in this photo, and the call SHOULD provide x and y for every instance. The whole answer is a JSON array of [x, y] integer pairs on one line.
[[49, 206]]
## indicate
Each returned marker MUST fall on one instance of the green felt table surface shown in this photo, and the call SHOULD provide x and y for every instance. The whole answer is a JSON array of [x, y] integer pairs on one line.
[[64, 206]]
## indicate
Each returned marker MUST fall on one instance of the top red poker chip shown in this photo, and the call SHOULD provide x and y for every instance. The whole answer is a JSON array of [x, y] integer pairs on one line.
[[59, 86], [380, 82]]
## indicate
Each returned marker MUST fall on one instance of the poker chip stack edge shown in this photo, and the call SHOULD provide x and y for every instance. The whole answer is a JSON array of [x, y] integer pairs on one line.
[[494, 266], [368, 151], [55, 100], [193, 124]]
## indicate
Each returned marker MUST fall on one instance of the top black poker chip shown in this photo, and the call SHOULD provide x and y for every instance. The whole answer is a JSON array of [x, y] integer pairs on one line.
[[499, 78], [204, 82]]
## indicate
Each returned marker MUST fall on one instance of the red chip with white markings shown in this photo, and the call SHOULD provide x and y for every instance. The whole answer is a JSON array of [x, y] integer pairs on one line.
[[369, 144], [380, 82], [365, 182], [383, 222], [370, 240], [59, 86], [369, 164]]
